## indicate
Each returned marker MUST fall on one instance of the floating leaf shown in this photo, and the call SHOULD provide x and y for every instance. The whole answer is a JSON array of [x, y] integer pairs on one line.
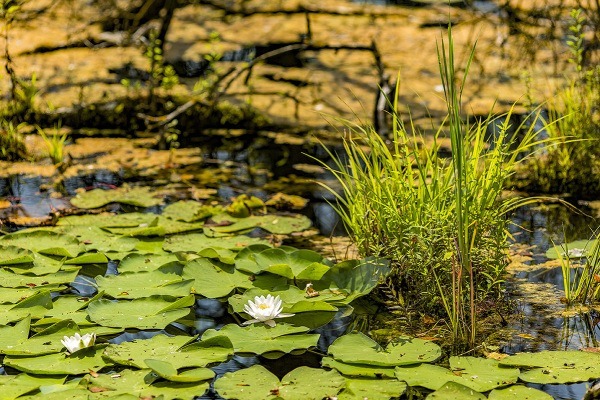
[[291, 263], [155, 312], [96, 238], [214, 281], [41, 265], [160, 226], [356, 348], [14, 295], [190, 211], [166, 371], [11, 336], [85, 360], [576, 249], [372, 389], [35, 306], [179, 351], [88, 258], [455, 391], [198, 241], [13, 386], [257, 383], [254, 383], [259, 339], [135, 262], [225, 256], [144, 284], [45, 242], [551, 367], [479, 374], [362, 370], [45, 342], [137, 196], [10, 255], [518, 392], [10, 279], [277, 224], [107, 220]]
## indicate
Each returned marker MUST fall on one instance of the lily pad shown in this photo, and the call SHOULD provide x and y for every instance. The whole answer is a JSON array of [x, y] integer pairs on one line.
[[41, 265], [13, 386], [518, 392], [45, 242], [155, 312], [199, 241], [190, 211], [83, 361], [45, 342], [11, 279], [214, 281], [257, 383], [297, 264], [455, 391], [260, 339], [10, 255], [356, 348], [167, 371], [277, 224], [141, 384], [35, 306], [179, 351], [14, 295], [135, 262], [372, 389], [361, 370], [96, 238], [137, 196], [11, 336], [479, 374], [144, 284], [549, 367], [107, 220], [576, 249], [68, 308]]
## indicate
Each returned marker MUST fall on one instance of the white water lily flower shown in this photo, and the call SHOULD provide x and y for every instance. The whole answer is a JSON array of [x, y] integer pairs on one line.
[[265, 309], [78, 342]]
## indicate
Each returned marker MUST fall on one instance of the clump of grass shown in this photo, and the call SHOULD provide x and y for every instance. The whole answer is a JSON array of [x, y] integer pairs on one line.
[[572, 164], [12, 145], [55, 144], [581, 282], [441, 222]]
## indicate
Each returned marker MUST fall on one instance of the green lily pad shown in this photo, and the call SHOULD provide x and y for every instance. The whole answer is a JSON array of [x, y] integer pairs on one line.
[[576, 249], [190, 211], [11, 336], [519, 392], [10, 255], [455, 391], [13, 386], [144, 284], [45, 342], [83, 361], [214, 281], [96, 238], [257, 383], [254, 383], [277, 224], [45, 242], [107, 220], [68, 308], [135, 262], [372, 389], [160, 226], [225, 256], [260, 339], [356, 277], [245, 260], [13, 280], [479, 374], [199, 241], [356, 348], [179, 351], [35, 306], [14, 295], [167, 371], [141, 384], [549, 367], [41, 265], [136, 196], [361, 370], [154, 312]]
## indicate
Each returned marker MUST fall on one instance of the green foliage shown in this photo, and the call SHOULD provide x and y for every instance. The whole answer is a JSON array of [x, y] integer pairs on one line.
[[12, 145], [55, 144], [572, 164], [442, 224]]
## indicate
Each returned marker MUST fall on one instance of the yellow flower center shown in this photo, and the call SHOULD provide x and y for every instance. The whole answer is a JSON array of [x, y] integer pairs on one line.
[[263, 306]]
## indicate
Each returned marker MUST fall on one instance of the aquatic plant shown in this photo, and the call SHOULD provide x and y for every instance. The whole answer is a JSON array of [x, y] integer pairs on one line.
[[441, 223], [265, 309], [78, 342], [55, 144], [12, 144]]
